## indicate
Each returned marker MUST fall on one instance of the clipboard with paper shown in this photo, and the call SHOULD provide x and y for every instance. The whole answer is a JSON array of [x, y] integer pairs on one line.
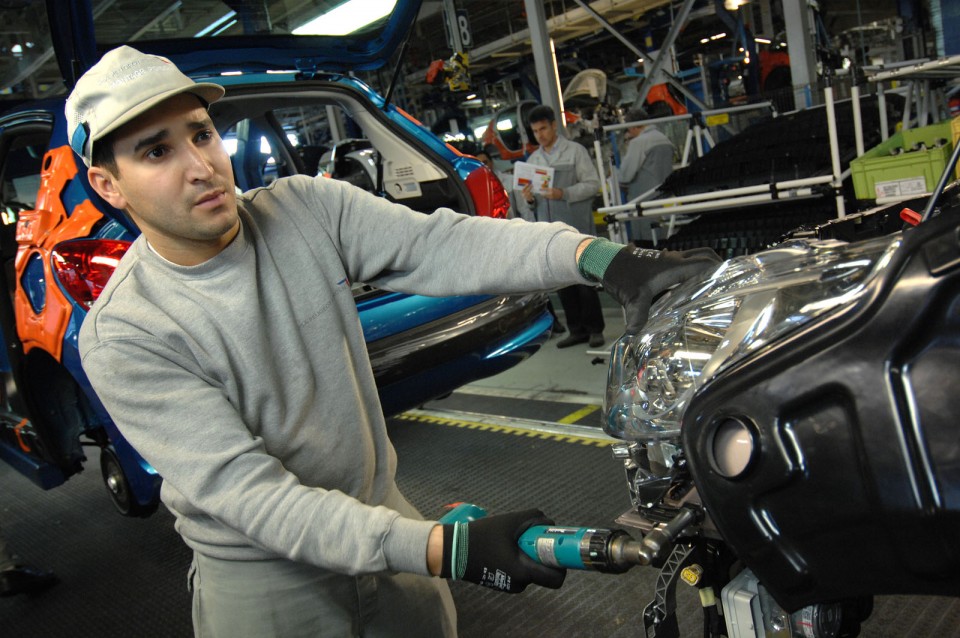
[[541, 177]]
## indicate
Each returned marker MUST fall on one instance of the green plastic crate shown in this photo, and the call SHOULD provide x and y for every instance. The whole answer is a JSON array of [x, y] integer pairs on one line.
[[877, 173]]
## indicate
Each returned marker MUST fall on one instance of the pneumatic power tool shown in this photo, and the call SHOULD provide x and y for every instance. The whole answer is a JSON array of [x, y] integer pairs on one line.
[[587, 548]]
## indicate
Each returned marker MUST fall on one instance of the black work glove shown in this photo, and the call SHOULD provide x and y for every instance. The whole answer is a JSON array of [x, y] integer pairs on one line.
[[637, 276], [486, 552]]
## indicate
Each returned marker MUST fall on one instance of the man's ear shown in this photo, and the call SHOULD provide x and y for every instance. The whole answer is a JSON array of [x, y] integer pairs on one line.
[[105, 183]]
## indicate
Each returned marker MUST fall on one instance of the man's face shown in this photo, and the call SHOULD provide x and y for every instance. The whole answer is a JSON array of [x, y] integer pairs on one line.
[[175, 180], [545, 132]]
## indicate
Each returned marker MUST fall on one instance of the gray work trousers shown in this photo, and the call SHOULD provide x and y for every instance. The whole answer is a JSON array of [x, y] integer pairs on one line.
[[284, 599]]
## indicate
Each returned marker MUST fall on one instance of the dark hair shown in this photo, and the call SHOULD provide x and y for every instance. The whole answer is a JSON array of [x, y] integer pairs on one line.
[[103, 155], [637, 114], [541, 113]]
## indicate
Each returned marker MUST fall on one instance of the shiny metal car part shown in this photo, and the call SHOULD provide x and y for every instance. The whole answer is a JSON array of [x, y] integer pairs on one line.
[[702, 328]]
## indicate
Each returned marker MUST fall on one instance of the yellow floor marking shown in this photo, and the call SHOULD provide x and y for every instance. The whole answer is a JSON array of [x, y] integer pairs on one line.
[[579, 414], [473, 425]]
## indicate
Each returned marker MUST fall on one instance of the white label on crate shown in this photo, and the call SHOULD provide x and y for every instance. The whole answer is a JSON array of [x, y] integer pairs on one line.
[[901, 187]]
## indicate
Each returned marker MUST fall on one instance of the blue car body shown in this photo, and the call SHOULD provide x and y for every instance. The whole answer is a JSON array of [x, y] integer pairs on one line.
[[420, 348]]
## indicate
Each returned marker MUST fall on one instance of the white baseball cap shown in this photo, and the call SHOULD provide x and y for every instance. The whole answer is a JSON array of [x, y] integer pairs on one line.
[[125, 83]]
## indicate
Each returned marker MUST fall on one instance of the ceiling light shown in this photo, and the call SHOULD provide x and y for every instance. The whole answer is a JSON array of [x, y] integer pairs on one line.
[[347, 17]]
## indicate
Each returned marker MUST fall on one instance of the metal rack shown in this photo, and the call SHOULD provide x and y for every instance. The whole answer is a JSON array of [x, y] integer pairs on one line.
[[923, 81]]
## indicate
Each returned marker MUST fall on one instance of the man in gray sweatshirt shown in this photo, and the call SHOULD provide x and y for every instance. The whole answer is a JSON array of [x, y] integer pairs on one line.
[[227, 349]]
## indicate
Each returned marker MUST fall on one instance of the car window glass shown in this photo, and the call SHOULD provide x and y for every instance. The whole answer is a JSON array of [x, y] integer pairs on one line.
[[257, 153], [324, 138], [312, 130], [271, 136], [508, 130], [28, 68], [331, 143], [22, 166]]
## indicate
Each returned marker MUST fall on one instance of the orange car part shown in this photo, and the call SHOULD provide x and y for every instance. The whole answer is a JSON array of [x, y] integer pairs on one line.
[[661, 93], [38, 231]]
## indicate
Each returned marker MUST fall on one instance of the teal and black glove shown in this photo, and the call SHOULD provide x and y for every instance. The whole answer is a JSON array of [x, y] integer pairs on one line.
[[637, 276], [486, 552]]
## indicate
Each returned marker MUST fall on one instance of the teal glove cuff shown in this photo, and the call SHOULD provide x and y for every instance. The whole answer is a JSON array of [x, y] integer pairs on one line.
[[458, 559], [596, 257], [456, 543]]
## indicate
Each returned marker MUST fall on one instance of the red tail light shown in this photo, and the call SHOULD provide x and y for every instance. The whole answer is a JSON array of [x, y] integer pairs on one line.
[[488, 194], [83, 266]]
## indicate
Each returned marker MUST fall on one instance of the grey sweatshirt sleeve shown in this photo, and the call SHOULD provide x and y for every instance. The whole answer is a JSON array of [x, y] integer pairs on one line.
[[443, 253]]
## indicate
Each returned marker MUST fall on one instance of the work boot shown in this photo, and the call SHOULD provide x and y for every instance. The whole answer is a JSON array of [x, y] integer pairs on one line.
[[25, 580], [596, 339], [572, 339]]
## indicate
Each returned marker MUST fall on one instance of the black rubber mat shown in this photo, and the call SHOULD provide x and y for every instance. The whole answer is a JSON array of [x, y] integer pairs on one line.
[[119, 576], [125, 577], [572, 483]]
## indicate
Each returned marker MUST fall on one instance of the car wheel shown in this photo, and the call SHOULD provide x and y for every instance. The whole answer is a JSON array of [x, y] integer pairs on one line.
[[118, 487]]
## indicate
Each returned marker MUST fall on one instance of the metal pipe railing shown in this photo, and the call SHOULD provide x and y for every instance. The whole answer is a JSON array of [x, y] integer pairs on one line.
[[733, 202], [673, 202]]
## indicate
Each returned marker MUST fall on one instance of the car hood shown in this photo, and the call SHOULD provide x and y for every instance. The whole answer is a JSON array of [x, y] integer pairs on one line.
[[212, 37]]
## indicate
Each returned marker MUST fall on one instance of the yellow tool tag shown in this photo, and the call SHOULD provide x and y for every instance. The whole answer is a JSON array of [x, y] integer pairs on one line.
[[717, 120]]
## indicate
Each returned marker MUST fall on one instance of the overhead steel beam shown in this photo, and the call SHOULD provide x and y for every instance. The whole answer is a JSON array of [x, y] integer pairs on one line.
[[679, 21], [801, 35], [450, 15], [642, 56], [544, 60], [28, 71], [571, 24], [160, 18]]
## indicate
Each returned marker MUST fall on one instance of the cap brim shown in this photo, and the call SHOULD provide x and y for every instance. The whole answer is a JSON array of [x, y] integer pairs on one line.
[[207, 91]]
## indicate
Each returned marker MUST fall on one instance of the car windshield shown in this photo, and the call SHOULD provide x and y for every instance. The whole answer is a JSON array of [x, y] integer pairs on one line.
[[28, 66]]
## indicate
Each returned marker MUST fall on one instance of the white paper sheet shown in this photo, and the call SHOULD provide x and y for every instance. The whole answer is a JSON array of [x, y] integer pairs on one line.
[[540, 176]]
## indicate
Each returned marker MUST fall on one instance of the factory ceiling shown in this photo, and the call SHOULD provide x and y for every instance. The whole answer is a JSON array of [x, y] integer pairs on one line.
[[499, 29]]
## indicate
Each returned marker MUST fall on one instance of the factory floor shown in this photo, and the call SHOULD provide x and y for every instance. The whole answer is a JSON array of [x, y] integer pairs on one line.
[[528, 437]]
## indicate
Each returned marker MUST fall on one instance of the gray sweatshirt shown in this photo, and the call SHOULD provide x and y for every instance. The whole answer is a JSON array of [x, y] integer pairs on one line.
[[647, 162], [245, 380]]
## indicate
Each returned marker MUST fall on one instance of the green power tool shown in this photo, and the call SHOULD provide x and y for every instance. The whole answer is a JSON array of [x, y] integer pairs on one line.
[[589, 548]]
